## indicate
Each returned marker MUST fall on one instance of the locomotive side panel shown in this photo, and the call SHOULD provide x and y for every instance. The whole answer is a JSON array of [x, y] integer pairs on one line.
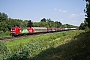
[[15, 31]]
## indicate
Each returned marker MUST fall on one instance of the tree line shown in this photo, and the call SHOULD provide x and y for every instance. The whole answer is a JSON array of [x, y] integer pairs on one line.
[[7, 23], [86, 23], [53, 24]]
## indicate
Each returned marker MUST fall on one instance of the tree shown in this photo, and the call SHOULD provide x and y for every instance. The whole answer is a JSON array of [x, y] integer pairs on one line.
[[58, 24], [87, 11], [30, 24], [43, 20], [3, 17], [83, 25], [50, 23], [3, 26]]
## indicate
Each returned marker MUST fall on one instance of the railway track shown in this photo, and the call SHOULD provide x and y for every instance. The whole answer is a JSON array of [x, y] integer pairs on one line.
[[23, 36], [5, 38], [27, 35]]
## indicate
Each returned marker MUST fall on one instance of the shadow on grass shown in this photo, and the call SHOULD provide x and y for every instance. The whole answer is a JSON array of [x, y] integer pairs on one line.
[[77, 49]]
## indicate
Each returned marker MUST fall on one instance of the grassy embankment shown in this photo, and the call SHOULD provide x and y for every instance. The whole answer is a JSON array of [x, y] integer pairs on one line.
[[45, 39], [70, 45], [78, 48]]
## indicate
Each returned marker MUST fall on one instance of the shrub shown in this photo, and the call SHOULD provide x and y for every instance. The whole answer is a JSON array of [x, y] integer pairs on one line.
[[1, 33], [87, 29], [22, 55], [7, 33], [4, 51]]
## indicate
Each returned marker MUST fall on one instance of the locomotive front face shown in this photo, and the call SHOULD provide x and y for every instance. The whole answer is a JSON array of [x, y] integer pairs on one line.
[[15, 31]]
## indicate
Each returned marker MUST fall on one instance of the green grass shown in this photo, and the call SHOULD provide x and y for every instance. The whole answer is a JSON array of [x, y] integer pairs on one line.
[[15, 44], [78, 48], [4, 34], [69, 45], [40, 43]]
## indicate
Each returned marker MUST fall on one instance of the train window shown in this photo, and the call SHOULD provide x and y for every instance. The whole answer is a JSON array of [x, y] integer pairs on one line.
[[13, 28]]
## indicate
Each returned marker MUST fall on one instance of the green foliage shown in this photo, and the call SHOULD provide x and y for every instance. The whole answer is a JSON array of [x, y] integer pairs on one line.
[[3, 17], [36, 24], [58, 24], [29, 24], [4, 51], [69, 26], [76, 49], [22, 55], [3, 26], [87, 29], [82, 26], [87, 11], [7, 23], [7, 33], [1, 33], [50, 23], [26, 48], [4, 34], [43, 24], [43, 20]]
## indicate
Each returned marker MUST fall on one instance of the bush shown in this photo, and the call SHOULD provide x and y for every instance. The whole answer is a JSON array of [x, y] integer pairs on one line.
[[7, 33], [4, 34], [1, 33], [87, 29], [4, 51], [21, 55]]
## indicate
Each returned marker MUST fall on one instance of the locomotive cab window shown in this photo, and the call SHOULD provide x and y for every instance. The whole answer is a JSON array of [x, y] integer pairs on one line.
[[13, 28]]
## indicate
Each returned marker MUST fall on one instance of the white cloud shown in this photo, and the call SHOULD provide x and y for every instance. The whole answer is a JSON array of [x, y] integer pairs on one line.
[[62, 11], [61, 19], [55, 9], [76, 15], [74, 21], [73, 15]]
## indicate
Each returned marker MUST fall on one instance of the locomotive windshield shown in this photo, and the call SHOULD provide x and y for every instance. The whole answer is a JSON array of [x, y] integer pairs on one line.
[[13, 29]]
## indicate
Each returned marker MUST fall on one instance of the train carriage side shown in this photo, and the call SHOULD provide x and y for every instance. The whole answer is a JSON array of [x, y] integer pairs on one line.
[[49, 29], [39, 29]]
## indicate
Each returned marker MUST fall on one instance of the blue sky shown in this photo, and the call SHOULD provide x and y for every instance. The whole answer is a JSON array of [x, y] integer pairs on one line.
[[65, 11]]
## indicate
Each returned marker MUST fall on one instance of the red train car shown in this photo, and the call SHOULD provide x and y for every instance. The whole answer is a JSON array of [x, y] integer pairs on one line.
[[17, 31]]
